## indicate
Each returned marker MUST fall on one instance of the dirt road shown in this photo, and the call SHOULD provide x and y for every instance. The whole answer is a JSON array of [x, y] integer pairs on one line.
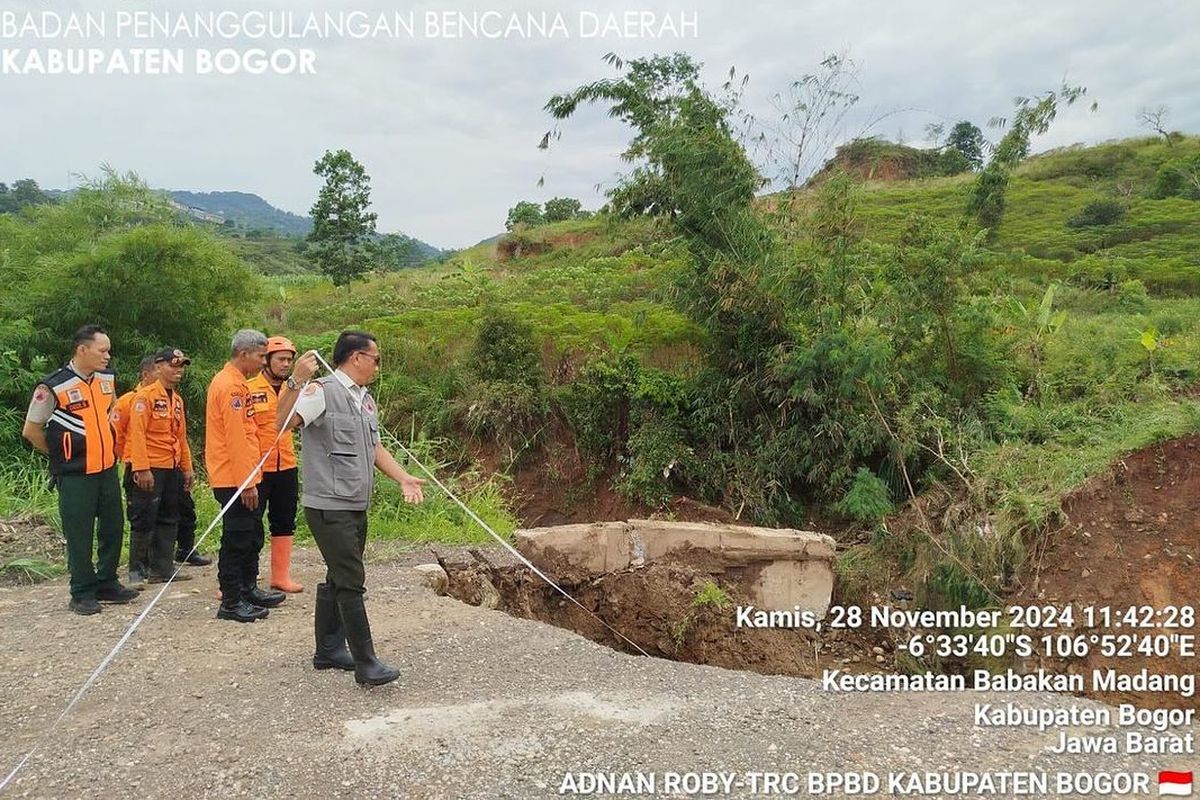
[[487, 706]]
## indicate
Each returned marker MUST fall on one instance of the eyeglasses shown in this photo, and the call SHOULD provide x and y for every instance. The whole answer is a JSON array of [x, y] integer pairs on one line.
[[376, 358]]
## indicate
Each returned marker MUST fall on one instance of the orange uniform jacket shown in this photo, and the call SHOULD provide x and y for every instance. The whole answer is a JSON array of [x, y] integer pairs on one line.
[[120, 422], [265, 400], [231, 437], [157, 433]]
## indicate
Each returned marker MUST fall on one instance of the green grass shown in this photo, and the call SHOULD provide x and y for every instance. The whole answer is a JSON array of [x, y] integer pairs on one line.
[[25, 491], [32, 570]]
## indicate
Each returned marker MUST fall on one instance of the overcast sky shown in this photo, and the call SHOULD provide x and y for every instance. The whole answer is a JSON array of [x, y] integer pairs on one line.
[[447, 128]]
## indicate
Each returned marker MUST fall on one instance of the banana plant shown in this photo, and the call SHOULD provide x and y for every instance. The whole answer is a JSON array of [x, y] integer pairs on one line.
[[1041, 323]]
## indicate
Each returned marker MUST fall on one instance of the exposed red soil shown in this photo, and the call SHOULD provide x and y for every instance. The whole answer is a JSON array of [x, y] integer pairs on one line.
[[1132, 538], [655, 607]]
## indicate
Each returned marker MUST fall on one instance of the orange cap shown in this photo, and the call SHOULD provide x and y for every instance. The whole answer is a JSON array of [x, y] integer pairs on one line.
[[277, 344]]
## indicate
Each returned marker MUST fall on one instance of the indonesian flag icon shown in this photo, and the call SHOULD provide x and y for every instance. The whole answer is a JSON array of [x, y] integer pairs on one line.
[[1174, 784]]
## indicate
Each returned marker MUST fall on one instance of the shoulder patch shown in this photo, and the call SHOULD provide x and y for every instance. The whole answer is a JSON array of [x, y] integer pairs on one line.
[[41, 394], [139, 406], [236, 402], [311, 388]]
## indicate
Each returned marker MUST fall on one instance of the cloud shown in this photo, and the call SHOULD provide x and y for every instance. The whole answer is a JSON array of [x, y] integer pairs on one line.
[[447, 128]]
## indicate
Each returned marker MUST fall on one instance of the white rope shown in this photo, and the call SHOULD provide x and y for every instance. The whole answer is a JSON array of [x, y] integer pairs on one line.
[[412, 456], [108, 659], [112, 654]]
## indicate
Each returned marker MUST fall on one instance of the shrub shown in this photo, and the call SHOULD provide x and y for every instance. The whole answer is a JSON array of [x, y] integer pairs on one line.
[[1178, 178], [505, 350], [1098, 212], [867, 500]]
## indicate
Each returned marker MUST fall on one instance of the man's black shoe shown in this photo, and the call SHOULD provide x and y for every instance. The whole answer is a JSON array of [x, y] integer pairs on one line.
[[84, 606], [265, 598], [116, 593], [241, 611], [152, 578], [195, 559]]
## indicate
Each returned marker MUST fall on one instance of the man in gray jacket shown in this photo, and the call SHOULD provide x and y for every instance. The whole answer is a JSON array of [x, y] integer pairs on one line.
[[341, 450]]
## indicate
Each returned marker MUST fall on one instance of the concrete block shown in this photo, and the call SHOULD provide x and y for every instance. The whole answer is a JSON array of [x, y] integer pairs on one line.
[[594, 548]]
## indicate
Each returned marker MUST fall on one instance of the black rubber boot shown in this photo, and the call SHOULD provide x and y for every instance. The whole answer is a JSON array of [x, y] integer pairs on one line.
[[267, 598], [331, 652], [239, 610], [367, 668], [139, 549]]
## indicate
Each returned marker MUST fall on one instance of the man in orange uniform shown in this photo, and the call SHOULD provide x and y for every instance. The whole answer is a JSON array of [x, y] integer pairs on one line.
[[279, 491], [162, 463], [231, 456], [122, 409]]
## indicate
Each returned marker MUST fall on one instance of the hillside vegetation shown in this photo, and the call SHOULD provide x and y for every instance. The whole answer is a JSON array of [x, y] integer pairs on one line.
[[1085, 345], [819, 358]]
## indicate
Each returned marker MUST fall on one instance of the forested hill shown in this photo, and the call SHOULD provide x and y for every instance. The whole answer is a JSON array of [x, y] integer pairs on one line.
[[249, 211]]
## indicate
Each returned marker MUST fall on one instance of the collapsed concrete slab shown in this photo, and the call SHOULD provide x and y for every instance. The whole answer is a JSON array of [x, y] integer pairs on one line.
[[781, 569]]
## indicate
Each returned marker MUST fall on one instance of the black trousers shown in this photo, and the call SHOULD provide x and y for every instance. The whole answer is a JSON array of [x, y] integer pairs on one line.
[[185, 539], [279, 492], [341, 537], [154, 521], [241, 542]]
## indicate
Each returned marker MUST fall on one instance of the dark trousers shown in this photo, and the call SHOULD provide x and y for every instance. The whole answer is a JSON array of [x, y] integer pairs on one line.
[[341, 537], [279, 493], [154, 521], [139, 544], [241, 542], [90, 508], [185, 538]]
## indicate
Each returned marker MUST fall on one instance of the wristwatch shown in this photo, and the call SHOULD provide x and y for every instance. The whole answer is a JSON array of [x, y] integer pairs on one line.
[[291, 384]]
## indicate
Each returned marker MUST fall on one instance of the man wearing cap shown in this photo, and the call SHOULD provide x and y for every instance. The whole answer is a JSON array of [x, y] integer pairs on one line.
[[122, 410], [280, 488], [342, 450], [162, 463], [231, 456], [68, 420]]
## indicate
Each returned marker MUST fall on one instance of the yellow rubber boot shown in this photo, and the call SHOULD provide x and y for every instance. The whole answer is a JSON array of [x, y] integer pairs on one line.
[[281, 563]]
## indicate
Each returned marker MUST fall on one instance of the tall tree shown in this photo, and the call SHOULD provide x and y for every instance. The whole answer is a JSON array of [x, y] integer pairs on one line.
[[1155, 118], [342, 222], [1033, 117], [525, 213], [811, 112], [966, 138], [22, 194], [562, 208]]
